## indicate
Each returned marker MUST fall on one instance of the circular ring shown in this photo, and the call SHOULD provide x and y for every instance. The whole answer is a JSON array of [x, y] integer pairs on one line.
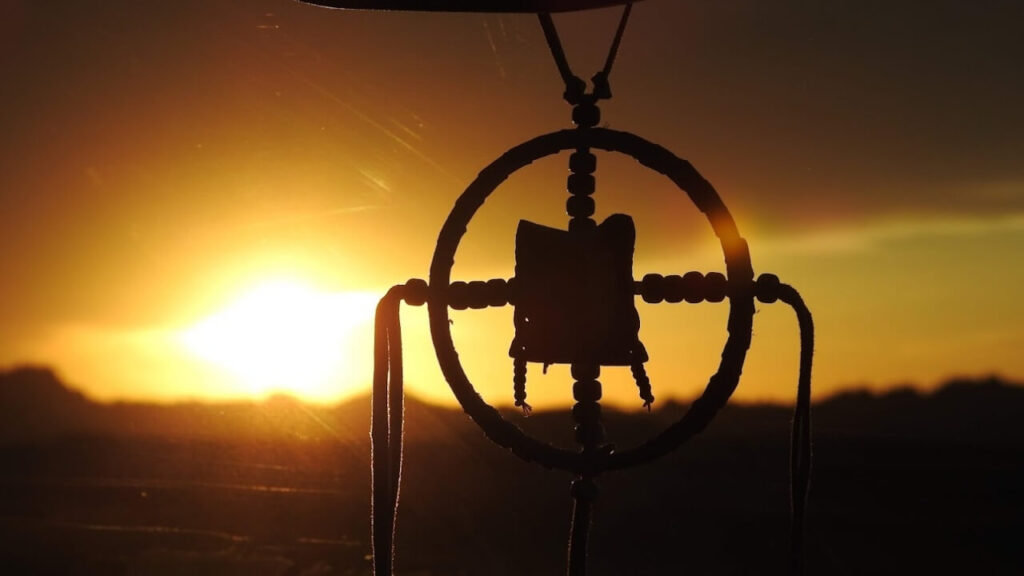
[[741, 298]]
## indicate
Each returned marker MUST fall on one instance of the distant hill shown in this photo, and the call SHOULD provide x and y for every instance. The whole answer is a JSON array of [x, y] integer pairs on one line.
[[986, 410], [903, 482], [35, 405]]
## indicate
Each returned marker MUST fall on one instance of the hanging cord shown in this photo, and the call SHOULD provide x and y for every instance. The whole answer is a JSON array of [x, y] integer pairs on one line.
[[584, 493], [643, 384], [386, 429], [575, 88], [768, 290], [800, 447], [600, 80], [519, 385]]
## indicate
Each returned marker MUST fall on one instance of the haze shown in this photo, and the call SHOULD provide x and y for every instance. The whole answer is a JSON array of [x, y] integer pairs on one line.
[[162, 160]]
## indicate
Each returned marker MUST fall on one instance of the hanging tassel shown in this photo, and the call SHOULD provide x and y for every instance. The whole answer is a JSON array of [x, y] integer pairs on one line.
[[769, 290], [386, 429], [800, 448]]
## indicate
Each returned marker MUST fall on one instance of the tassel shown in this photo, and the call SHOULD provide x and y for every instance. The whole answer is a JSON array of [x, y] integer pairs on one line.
[[800, 440], [386, 430]]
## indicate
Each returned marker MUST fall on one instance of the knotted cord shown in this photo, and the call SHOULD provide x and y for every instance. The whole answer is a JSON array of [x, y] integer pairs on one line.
[[575, 88], [589, 431], [386, 429], [643, 384], [600, 79], [519, 385]]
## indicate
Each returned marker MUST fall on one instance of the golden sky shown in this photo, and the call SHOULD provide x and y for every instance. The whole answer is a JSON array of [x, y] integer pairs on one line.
[[166, 164]]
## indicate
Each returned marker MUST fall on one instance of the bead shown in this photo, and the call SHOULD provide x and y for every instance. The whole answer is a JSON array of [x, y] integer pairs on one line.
[[586, 391], [674, 289], [586, 412], [497, 292], [767, 288], [579, 206], [511, 285], [477, 296], [585, 371], [415, 293], [693, 287], [586, 115], [578, 225], [581, 184], [458, 295], [582, 162], [715, 286], [652, 288], [590, 434]]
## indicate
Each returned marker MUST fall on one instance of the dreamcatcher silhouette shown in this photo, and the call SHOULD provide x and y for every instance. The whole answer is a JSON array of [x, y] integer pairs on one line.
[[573, 292]]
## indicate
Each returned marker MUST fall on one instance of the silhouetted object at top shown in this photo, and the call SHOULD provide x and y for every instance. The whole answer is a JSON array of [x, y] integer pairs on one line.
[[529, 6], [573, 293]]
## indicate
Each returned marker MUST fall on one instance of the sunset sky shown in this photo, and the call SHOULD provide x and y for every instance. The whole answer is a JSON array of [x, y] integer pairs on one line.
[[203, 199]]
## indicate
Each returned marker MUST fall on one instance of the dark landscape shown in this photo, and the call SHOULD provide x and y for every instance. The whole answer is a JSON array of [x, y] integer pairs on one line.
[[904, 483]]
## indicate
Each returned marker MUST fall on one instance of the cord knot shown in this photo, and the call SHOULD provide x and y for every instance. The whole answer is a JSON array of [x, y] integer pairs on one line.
[[767, 288]]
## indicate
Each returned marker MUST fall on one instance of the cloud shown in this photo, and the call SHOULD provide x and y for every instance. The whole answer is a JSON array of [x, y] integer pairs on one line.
[[849, 237]]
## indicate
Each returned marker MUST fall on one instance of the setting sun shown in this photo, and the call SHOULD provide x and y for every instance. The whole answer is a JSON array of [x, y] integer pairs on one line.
[[285, 336]]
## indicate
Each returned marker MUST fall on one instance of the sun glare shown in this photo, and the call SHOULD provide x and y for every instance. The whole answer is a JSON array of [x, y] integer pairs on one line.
[[286, 336]]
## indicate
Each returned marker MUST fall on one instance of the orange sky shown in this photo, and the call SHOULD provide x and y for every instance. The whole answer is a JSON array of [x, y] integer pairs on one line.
[[162, 160]]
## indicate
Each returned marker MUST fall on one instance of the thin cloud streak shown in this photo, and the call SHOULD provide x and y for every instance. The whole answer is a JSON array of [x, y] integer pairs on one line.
[[862, 237]]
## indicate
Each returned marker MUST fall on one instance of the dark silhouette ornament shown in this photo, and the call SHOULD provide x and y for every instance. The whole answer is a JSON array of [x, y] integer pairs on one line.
[[507, 6], [573, 292], [739, 285], [574, 295]]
